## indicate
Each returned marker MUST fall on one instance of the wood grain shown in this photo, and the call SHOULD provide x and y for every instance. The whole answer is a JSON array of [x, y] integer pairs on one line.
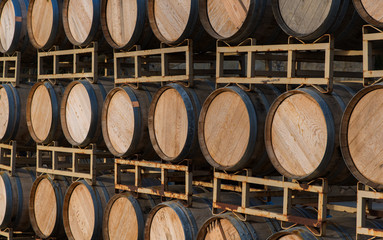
[[78, 113], [227, 129], [299, 134], [290, 237], [45, 204], [364, 138], [42, 21], [222, 229], [3, 200], [227, 16], [7, 25], [121, 18], [122, 222], [304, 16], [373, 8], [170, 123], [81, 213], [41, 112], [172, 17], [80, 18], [166, 225], [120, 121], [4, 113]]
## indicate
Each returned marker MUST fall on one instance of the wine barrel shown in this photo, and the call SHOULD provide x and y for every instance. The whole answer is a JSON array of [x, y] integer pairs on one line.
[[125, 24], [80, 112], [43, 113], [14, 199], [174, 21], [84, 206], [81, 21], [309, 20], [45, 206], [302, 134], [234, 21], [173, 119], [370, 11], [125, 121], [13, 124], [232, 115], [360, 139], [234, 228], [45, 27], [13, 26]]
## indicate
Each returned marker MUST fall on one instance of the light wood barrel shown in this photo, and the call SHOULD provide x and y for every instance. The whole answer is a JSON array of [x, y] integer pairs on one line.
[[125, 24], [13, 26], [360, 139], [81, 21], [173, 119], [13, 124], [370, 11], [232, 115], [43, 113], [236, 20], [46, 205], [310, 19], [174, 21], [45, 27], [302, 134], [125, 121], [14, 199], [84, 207], [80, 113], [235, 229]]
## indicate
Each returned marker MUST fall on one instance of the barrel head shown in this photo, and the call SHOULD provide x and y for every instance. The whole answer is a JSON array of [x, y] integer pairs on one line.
[[166, 224], [4, 113], [7, 25], [220, 228], [80, 19], [41, 113], [41, 21], [3, 201]]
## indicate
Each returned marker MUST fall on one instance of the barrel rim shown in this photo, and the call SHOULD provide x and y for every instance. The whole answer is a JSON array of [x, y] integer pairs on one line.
[[330, 133], [138, 30], [192, 21], [18, 26], [54, 30], [137, 121], [192, 130], [365, 15], [253, 128], [95, 24], [322, 29], [344, 136]]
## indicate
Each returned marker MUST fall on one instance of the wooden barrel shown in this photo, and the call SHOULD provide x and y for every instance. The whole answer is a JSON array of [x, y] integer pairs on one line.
[[81, 21], [229, 226], [125, 24], [309, 20], [13, 26], [173, 118], [302, 134], [84, 206], [234, 21], [45, 27], [80, 113], [370, 11], [125, 121], [174, 21], [232, 115], [360, 139], [43, 113], [14, 199], [13, 124], [45, 206]]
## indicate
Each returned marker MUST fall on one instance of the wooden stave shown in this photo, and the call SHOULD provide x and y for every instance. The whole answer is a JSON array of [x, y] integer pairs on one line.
[[253, 153], [18, 131], [14, 218], [57, 36], [194, 99], [56, 133], [330, 104], [141, 137], [98, 92], [60, 186], [365, 15], [259, 13], [142, 36]]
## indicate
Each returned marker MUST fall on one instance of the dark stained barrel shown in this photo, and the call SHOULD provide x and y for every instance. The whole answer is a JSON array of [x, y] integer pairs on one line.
[[370, 11]]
